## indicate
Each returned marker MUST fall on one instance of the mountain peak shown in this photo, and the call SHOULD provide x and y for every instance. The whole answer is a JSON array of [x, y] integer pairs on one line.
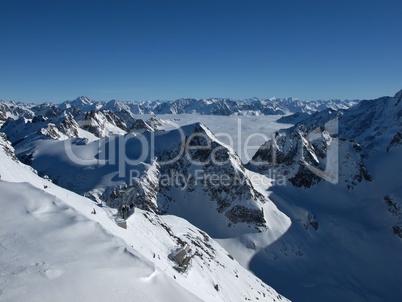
[[116, 105], [83, 99], [398, 95]]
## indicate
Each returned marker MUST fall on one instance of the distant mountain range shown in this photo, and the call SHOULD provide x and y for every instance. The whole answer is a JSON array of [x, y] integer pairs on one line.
[[213, 106]]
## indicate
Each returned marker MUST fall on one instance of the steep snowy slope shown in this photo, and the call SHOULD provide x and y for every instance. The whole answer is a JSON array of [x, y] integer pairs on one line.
[[343, 245], [51, 252], [186, 172], [345, 241], [54, 249]]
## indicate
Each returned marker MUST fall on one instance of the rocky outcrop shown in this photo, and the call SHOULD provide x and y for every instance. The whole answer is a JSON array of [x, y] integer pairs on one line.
[[308, 154], [333, 145], [395, 142]]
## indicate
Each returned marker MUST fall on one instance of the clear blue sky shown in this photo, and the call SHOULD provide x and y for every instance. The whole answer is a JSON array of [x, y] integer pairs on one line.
[[167, 49]]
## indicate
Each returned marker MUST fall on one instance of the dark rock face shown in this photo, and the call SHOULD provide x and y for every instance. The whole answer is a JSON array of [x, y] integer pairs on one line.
[[397, 229], [242, 214], [140, 125], [6, 145], [69, 126], [214, 162], [304, 178], [304, 161], [311, 222], [396, 141], [271, 154], [392, 206]]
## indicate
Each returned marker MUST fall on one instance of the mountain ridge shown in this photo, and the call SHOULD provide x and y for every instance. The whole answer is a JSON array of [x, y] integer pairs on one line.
[[211, 106]]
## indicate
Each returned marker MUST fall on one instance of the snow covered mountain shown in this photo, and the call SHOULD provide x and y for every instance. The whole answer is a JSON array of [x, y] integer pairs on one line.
[[13, 110], [307, 155], [83, 103], [344, 243], [175, 172], [51, 120], [294, 118], [330, 228], [213, 106], [53, 247], [254, 106], [345, 139]]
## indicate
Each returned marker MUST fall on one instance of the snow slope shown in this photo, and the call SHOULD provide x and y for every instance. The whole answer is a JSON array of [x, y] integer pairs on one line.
[[53, 249], [157, 172], [51, 252], [345, 240], [342, 244]]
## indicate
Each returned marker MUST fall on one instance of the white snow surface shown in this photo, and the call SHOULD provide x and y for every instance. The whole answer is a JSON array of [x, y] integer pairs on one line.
[[53, 249]]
